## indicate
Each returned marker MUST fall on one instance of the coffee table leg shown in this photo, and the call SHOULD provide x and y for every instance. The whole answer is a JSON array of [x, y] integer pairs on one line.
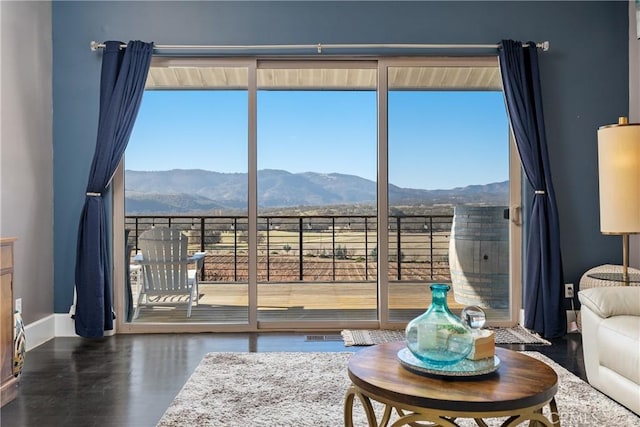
[[541, 420], [555, 415], [352, 392], [419, 420], [536, 418]]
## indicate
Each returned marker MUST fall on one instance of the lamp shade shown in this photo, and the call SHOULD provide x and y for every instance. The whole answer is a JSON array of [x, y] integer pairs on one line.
[[619, 176]]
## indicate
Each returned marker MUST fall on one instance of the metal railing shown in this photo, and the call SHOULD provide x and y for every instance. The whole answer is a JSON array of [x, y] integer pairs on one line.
[[322, 248]]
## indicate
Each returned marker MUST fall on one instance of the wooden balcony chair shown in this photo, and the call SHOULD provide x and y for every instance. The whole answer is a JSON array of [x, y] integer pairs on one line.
[[167, 269]]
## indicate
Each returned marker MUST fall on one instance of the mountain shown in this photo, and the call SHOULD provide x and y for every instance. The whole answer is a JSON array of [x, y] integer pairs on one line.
[[183, 191], [139, 202]]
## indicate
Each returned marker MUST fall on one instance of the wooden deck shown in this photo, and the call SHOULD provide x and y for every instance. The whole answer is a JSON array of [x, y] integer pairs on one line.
[[228, 303]]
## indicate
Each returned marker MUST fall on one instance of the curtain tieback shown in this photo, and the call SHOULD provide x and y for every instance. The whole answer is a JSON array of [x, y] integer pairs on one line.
[[540, 192], [92, 194]]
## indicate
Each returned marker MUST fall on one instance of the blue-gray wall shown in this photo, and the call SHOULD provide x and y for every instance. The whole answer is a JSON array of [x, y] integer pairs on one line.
[[26, 154], [584, 77]]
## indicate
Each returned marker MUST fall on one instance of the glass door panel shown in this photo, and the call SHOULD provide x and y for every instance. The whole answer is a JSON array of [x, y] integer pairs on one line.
[[186, 168], [316, 193], [449, 189]]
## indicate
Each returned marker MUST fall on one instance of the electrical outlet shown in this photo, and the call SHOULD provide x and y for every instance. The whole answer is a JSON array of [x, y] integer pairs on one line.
[[568, 290], [18, 306]]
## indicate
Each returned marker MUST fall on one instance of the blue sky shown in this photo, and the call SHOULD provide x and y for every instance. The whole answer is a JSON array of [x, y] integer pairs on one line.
[[436, 139]]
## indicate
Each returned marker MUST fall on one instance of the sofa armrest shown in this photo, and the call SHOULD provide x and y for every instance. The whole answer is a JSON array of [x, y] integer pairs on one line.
[[612, 301]]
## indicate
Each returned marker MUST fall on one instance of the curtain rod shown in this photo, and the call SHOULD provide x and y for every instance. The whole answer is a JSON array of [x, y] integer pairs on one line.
[[319, 47]]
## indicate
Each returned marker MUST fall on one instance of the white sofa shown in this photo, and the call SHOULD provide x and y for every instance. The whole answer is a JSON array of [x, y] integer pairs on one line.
[[611, 342]]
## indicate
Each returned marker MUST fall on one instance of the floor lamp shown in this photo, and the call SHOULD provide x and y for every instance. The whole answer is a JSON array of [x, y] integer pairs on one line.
[[619, 176]]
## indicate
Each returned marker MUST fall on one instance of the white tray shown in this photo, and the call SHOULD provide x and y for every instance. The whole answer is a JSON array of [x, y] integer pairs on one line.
[[464, 368]]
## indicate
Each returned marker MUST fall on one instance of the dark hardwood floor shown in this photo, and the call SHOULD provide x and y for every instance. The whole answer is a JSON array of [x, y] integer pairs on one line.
[[130, 380]]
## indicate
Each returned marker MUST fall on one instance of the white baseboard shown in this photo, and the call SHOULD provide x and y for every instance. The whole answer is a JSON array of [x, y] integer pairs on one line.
[[572, 322], [52, 326], [40, 331], [65, 326]]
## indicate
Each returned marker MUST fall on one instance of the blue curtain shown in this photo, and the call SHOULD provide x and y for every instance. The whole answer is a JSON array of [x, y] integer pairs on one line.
[[124, 72], [543, 279]]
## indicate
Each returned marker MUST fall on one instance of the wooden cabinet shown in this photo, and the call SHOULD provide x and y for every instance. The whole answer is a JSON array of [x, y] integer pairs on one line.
[[8, 383]]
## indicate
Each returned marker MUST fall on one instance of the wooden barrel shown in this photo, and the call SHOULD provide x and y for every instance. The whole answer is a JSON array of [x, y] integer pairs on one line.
[[479, 256]]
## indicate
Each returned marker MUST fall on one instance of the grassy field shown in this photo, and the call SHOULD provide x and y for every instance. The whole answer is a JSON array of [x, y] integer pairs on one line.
[[423, 256]]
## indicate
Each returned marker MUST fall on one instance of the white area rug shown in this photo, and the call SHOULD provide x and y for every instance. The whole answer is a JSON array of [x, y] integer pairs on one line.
[[307, 389], [515, 335]]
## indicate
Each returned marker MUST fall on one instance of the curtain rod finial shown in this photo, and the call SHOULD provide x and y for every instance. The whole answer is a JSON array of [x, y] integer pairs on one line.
[[545, 45], [94, 45]]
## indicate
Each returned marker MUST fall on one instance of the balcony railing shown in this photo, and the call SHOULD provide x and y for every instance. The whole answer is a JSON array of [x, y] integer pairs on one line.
[[323, 248]]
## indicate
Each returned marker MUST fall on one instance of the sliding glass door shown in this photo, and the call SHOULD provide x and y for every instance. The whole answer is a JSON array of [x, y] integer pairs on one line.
[[281, 173]]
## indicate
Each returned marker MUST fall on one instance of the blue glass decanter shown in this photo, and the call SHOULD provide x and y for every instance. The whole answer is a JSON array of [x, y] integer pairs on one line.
[[438, 337]]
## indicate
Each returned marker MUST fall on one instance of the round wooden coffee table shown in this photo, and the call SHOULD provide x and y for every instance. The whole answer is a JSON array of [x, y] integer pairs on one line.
[[519, 389]]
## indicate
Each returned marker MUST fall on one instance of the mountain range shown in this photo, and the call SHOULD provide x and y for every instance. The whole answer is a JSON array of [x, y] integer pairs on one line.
[[186, 191]]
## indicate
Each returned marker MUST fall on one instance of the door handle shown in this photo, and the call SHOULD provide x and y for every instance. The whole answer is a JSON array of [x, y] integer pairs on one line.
[[516, 217]]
